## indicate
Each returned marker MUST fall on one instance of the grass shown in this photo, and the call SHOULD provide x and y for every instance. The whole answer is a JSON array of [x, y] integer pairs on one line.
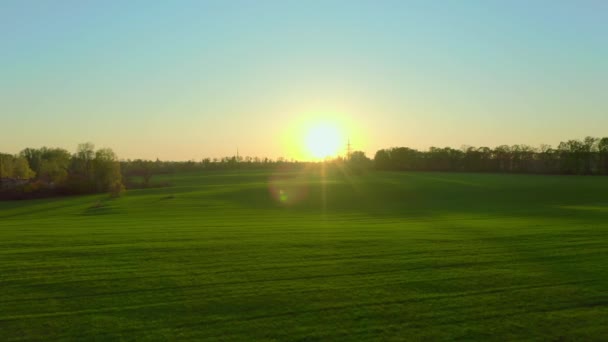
[[296, 256]]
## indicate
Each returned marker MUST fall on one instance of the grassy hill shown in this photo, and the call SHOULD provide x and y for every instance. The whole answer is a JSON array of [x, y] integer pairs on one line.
[[304, 256]]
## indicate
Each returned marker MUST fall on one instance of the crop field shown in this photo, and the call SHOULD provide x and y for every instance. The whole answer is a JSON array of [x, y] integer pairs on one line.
[[311, 255]]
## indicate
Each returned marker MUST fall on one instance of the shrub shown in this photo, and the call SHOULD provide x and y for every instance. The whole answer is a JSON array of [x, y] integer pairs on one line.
[[117, 189]]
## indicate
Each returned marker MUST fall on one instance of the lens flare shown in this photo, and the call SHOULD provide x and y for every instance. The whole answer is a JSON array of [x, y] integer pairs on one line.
[[288, 187]]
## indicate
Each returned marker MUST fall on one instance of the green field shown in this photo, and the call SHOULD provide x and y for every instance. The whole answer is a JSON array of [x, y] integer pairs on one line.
[[296, 256]]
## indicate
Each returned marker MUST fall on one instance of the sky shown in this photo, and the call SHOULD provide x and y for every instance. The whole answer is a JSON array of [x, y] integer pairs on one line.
[[181, 80]]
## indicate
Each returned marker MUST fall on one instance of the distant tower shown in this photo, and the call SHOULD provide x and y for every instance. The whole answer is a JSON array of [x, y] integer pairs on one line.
[[349, 150], [237, 161]]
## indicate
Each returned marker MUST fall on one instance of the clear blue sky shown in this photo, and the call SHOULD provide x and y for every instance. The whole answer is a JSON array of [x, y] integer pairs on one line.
[[189, 79]]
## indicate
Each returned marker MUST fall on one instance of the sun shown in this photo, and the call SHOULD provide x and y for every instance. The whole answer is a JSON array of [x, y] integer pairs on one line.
[[323, 140]]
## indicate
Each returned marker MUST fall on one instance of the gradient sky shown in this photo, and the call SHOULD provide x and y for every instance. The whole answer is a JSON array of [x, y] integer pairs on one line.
[[184, 80]]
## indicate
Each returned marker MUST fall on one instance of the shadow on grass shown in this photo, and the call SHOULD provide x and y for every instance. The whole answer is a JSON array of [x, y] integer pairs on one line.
[[418, 195], [101, 207]]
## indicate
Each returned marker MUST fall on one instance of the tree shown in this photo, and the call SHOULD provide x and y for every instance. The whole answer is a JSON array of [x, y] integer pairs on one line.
[[358, 157], [52, 171], [117, 188], [82, 162], [472, 159], [33, 156], [141, 168], [50, 164], [106, 170], [382, 160], [502, 154], [21, 169], [589, 147], [15, 167], [6, 166], [54, 165], [547, 159], [602, 146], [358, 161]]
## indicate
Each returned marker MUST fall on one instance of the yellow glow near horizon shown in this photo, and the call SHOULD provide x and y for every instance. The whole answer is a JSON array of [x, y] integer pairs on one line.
[[323, 140], [315, 135]]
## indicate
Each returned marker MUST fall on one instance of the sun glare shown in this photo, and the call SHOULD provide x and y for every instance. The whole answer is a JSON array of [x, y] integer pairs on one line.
[[323, 140]]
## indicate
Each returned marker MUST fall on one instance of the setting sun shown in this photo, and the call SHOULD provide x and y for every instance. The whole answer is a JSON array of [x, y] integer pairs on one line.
[[323, 140]]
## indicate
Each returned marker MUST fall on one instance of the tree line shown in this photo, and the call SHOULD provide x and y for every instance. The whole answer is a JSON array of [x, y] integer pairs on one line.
[[57, 171], [574, 157], [139, 173], [48, 171]]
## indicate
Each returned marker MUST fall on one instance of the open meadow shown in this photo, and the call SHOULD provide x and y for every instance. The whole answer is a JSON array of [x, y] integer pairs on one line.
[[306, 256]]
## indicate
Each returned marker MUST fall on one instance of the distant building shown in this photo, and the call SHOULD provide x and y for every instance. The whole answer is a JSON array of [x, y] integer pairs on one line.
[[11, 183]]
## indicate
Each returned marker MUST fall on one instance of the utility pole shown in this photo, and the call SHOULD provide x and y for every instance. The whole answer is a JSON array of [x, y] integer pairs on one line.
[[349, 150]]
